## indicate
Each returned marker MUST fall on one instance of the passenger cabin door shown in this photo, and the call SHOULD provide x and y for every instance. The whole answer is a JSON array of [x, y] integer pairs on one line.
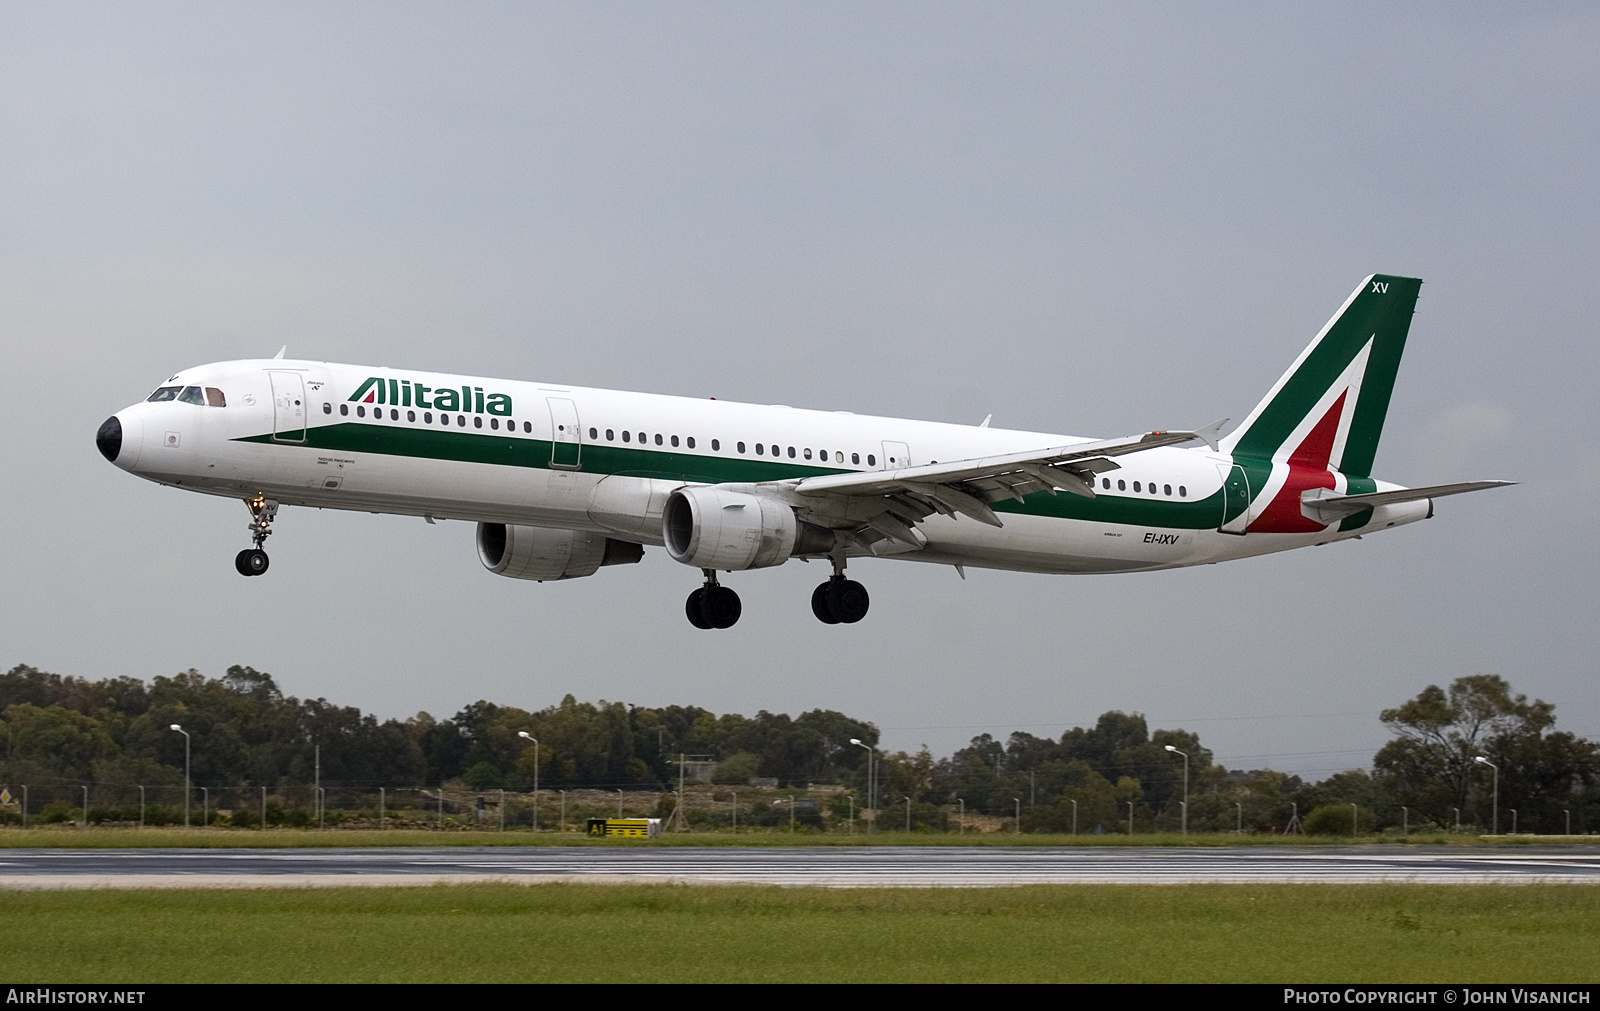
[[896, 456], [288, 406], [565, 441], [1236, 501]]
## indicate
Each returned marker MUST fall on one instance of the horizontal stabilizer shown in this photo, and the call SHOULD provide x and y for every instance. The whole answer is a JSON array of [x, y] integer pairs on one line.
[[1324, 506]]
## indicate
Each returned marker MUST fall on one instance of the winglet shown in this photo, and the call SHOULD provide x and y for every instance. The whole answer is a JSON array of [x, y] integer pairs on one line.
[[1211, 435], [281, 352], [984, 424]]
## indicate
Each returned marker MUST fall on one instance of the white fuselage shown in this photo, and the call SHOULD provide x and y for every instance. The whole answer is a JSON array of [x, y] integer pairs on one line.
[[598, 460]]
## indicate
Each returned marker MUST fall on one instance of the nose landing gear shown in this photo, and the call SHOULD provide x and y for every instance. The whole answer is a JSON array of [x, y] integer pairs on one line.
[[254, 561], [713, 605]]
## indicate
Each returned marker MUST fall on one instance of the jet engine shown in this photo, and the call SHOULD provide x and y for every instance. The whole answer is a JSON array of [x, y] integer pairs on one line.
[[543, 553], [714, 528]]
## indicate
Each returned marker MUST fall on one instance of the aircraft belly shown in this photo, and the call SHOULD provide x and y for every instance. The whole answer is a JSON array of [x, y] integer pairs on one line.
[[1048, 544]]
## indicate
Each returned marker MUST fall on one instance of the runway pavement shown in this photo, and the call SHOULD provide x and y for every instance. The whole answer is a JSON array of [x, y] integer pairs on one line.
[[834, 867]]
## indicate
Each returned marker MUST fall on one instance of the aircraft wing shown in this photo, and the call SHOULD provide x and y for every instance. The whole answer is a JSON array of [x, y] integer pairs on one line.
[[890, 503], [1326, 507]]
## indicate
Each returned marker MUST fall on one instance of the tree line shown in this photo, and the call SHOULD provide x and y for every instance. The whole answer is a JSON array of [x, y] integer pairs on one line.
[[62, 732]]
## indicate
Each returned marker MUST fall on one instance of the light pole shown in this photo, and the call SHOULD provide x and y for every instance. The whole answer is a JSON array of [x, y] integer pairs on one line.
[[1238, 829], [1457, 810], [870, 796], [1074, 817], [1130, 817], [1355, 821], [619, 803], [961, 826], [85, 822], [1018, 802], [535, 740], [205, 806], [263, 809], [1405, 822], [563, 825], [382, 823], [141, 808], [735, 811], [1569, 820], [1513, 820], [1484, 761], [908, 814], [186, 786], [1175, 751]]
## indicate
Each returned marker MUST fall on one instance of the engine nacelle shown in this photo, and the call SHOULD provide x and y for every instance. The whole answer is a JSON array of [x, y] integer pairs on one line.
[[544, 553], [713, 528]]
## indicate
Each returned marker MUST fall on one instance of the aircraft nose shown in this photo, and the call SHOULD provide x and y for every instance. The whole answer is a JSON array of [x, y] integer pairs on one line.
[[109, 438]]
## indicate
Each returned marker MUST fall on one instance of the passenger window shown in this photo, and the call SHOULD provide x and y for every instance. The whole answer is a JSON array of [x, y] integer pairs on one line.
[[690, 442], [214, 398], [1105, 483], [494, 424], [808, 454], [461, 421], [192, 395], [477, 421], [163, 394], [594, 434], [527, 427], [791, 452], [658, 438], [411, 415], [427, 417], [642, 439], [872, 461], [1122, 485], [739, 447], [1136, 486], [361, 412], [855, 458], [611, 435], [327, 408], [627, 436], [674, 440], [394, 415], [759, 449], [1183, 492], [1166, 489], [344, 409]]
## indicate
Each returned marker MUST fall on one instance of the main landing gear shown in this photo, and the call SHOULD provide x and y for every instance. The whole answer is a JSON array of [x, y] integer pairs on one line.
[[839, 601], [713, 605], [253, 561]]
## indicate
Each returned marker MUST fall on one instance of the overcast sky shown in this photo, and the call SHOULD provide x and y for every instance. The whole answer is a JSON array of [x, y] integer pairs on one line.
[[1088, 220]]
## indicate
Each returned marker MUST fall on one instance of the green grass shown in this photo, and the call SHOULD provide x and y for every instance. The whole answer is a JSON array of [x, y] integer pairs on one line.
[[71, 837], [667, 933]]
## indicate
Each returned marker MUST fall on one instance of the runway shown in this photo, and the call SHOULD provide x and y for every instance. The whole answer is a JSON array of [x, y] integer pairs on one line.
[[831, 867]]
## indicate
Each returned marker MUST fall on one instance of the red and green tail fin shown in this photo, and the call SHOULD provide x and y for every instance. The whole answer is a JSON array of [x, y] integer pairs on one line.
[[1332, 401]]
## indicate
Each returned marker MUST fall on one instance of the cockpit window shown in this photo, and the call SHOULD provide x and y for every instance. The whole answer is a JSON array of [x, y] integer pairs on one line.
[[192, 395], [215, 398], [165, 393]]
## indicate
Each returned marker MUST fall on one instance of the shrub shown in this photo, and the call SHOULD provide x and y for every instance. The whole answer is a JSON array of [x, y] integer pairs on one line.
[[1337, 819]]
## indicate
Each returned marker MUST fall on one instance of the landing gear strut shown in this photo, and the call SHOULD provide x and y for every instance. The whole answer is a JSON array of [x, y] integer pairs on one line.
[[713, 605], [839, 600], [253, 561]]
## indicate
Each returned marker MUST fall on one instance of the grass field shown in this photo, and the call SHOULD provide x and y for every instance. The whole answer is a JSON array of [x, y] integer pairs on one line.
[[72, 837], [668, 933]]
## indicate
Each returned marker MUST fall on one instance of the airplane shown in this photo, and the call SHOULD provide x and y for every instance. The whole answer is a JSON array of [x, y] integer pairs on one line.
[[563, 481]]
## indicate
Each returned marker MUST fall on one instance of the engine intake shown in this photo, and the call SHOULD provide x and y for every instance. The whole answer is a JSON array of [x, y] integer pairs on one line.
[[713, 528], [544, 553]]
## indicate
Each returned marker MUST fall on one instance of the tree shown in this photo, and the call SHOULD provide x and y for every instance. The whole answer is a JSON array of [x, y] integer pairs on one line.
[[1432, 765]]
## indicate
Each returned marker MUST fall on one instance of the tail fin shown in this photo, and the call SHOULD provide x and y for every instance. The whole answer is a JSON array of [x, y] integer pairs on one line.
[[1334, 397]]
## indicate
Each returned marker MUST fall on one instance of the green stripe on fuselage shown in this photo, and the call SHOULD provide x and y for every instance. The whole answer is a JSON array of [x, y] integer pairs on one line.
[[509, 450]]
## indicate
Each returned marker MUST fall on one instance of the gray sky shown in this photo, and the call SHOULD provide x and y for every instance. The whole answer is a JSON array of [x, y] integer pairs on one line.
[[1090, 220]]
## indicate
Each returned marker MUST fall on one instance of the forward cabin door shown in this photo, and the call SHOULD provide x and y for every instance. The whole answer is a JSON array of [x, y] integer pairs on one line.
[[565, 441], [288, 406], [896, 456]]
